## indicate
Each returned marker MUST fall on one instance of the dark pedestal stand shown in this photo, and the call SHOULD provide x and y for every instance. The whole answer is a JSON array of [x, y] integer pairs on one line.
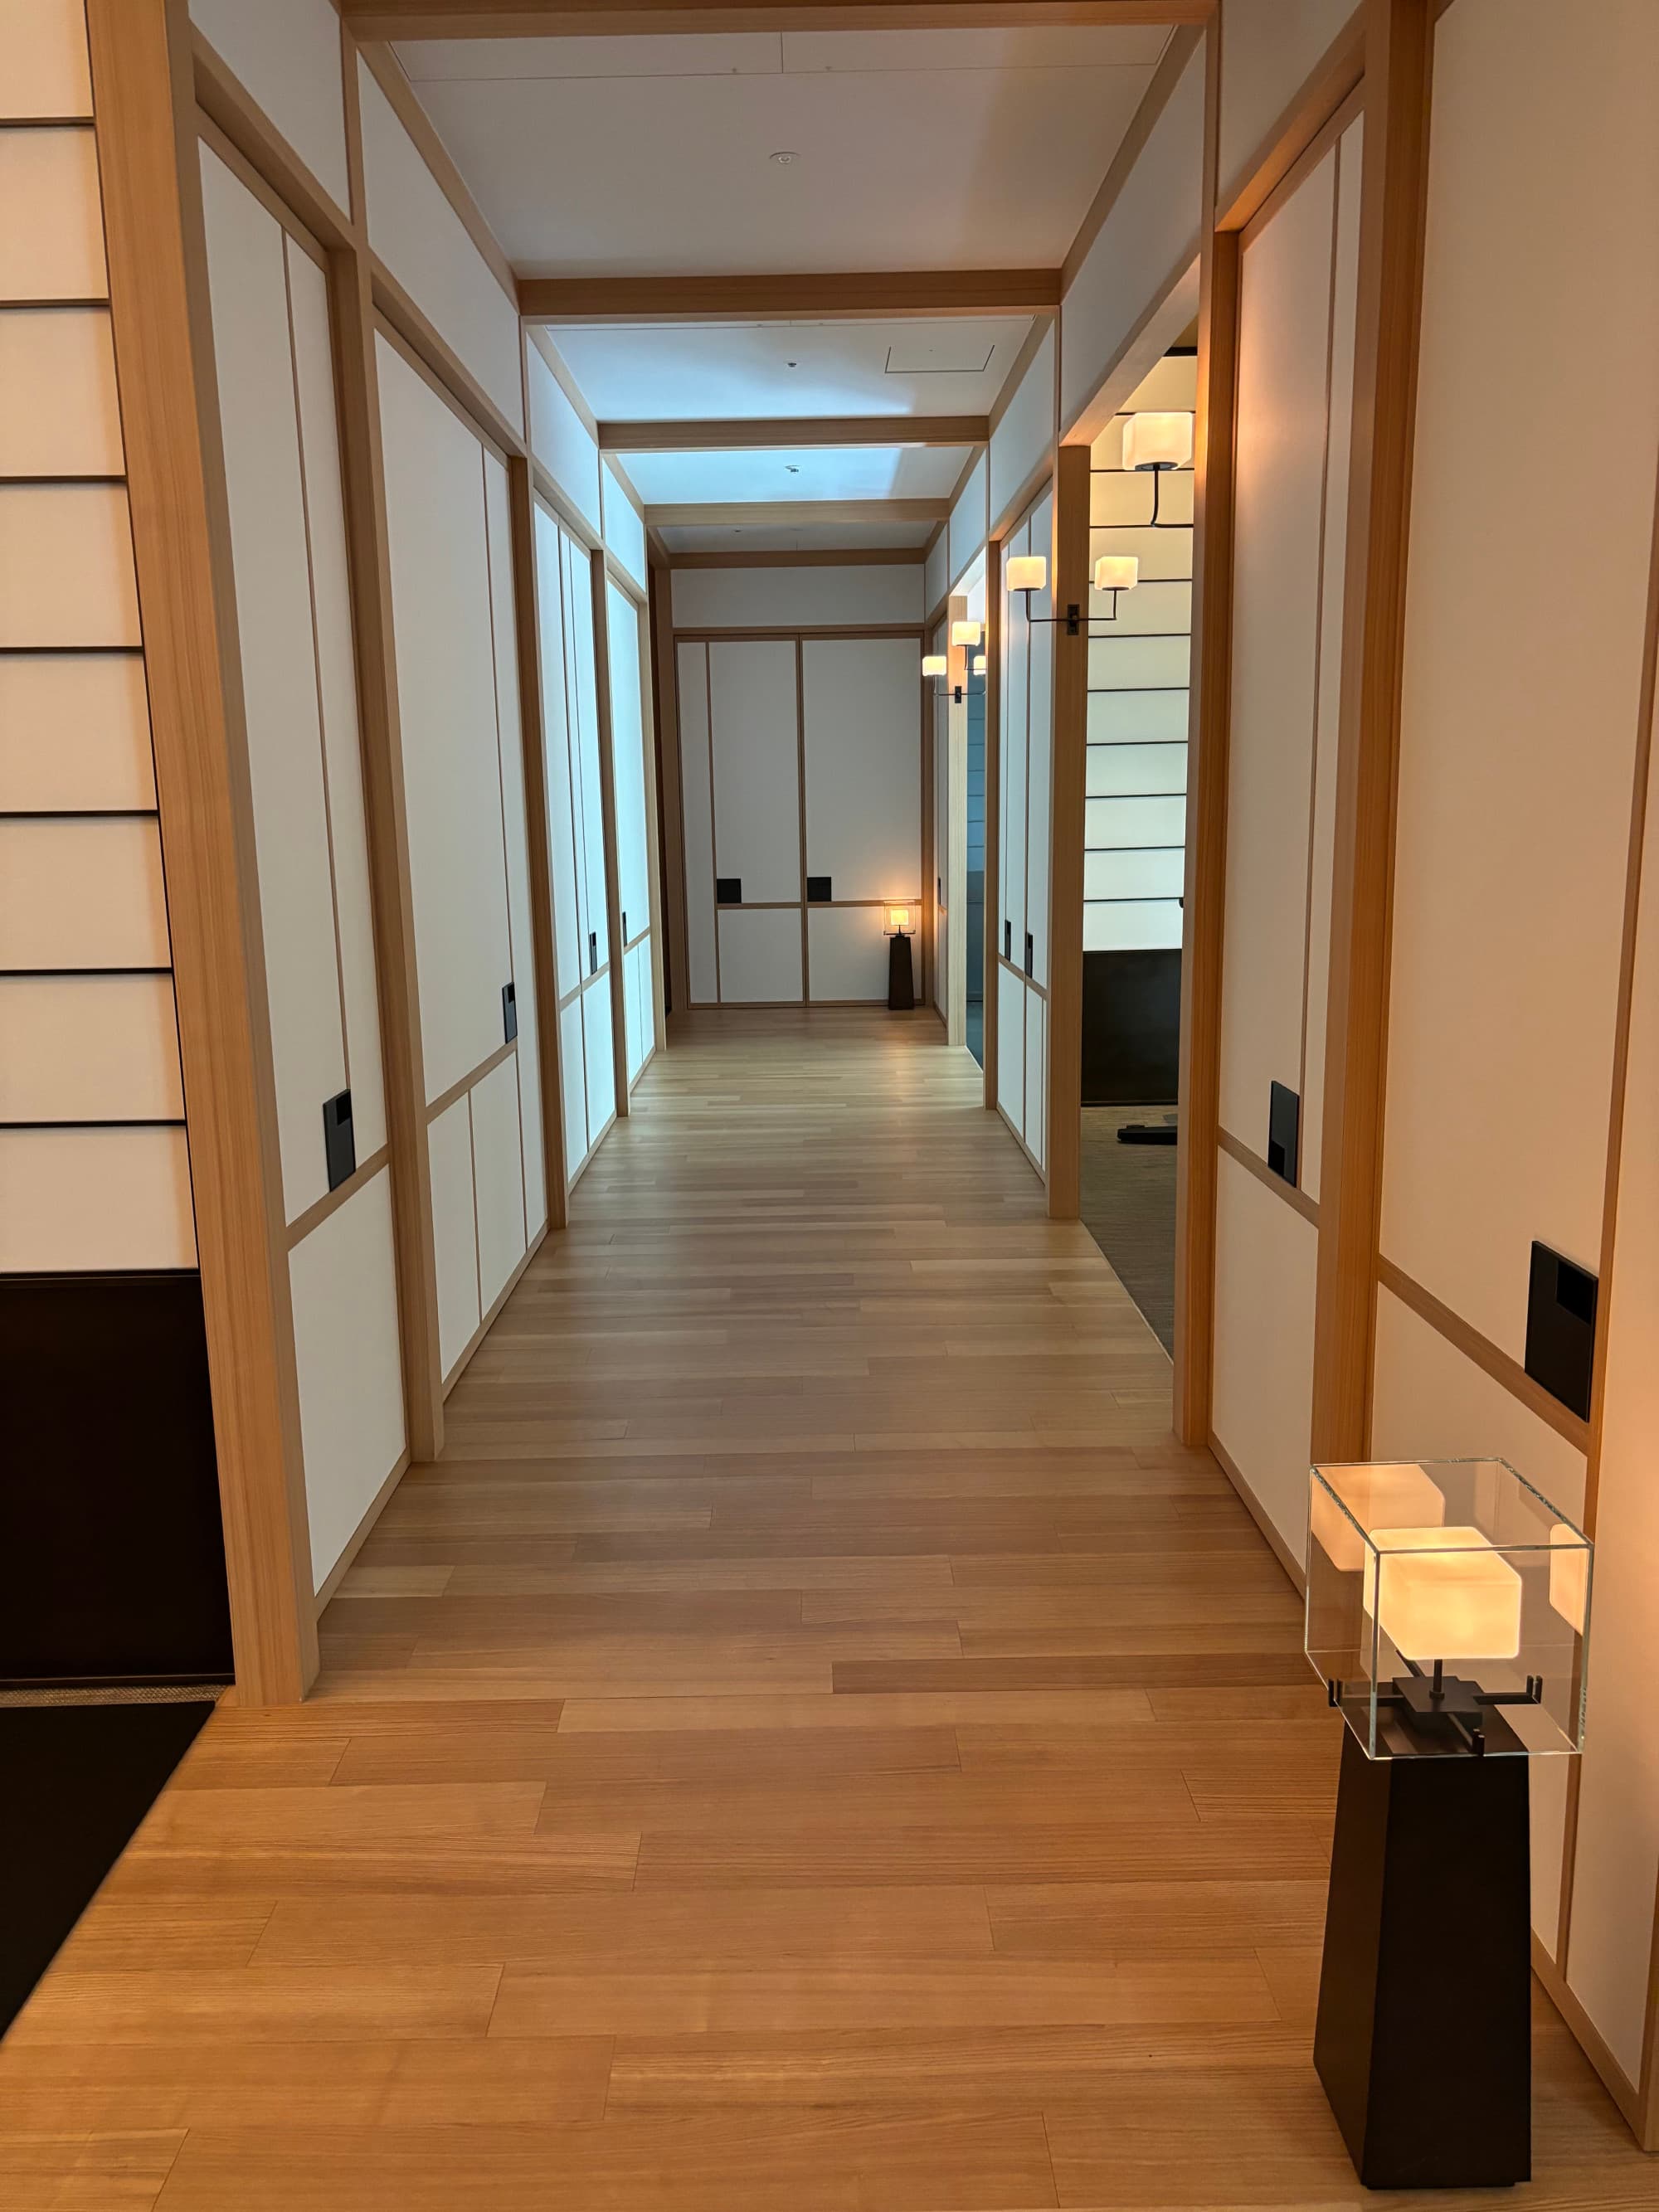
[[1423, 2040], [901, 976]]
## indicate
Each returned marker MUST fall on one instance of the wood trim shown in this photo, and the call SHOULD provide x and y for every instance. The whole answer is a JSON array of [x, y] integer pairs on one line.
[[1393, 195], [1038, 990], [676, 924], [955, 871], [763, 433], [142, 68], [1183, 44], [1171, 307], [651, 738], [458, 1090], [750, 636], [547, 19], [1068, 781], [564, 510], [526, 600], [223, 99], [442, 366], [1334, 125], [788, 297], [608, 808], [927, 935], [1299, 1200], [359, 1536], [1204, 879], [1022, 499], [1258, 1513], [1041, 326], [713, 514], [314, 1216], [247, 174], [995, 610], [1508, 1373], [1334, 77], [387, 72], [872, 556], [800, 809]]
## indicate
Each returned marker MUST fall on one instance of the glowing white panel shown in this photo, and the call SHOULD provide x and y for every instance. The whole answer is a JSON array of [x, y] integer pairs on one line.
[[1011, 1048], [561, 441], [45, 44], [1265, 1257], [1131, 926], [599, 1050], [572, 1070], [806, 599], [82, 893], [454, 1230], [88, 1049], [1036, 1077], [1025, 434], [66, 573], [697, 814], [624, 528], [60, 415], [74, 734], [628, 762], [862, 703], [59, 254], [497, 1177], [568, 951], [757, 771], [73, 1201]]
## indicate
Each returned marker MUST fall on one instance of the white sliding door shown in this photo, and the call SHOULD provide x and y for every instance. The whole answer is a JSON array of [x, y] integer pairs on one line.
[[1024, 772], [861, 748], [628, 785]]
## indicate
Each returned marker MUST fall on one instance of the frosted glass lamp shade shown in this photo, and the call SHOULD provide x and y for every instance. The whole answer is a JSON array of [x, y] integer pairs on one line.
[[1400, 1497], [1117, 572], [1027, 572], [1570, 1576], [977, 665], [1157, 441], [935, 664], [964, 633], [1444, 1594], [898, 920]]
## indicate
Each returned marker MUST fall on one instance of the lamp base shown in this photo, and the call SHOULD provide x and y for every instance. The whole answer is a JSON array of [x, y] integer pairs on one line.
[[1423, 2040], [901, 976]]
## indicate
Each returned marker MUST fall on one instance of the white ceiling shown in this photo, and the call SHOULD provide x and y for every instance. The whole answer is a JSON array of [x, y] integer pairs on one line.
[[771, 538], [686, 479], [634, 156], [696, 372]]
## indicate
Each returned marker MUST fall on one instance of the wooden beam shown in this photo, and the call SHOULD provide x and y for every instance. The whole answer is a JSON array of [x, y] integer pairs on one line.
[[787, 298], [1393, 190], [1199, 1082], [608, 810], [667, 695], [543, 19], [768, 433], [1068, 779], [144, 96], [794, 515], [870, 556]]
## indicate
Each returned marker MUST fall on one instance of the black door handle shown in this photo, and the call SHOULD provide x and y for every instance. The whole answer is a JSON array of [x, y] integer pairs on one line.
[[593, 951], [1031, 950]]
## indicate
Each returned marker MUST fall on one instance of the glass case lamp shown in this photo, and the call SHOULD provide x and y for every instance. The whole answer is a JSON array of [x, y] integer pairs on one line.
[[1115, 572], [897, 921], [1157, 442]]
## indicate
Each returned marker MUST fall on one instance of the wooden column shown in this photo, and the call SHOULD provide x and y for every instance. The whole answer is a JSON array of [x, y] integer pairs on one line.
[[526, 607], [144, 103], [954, 861], [1069, 772], [1394, 179], [676, 949], [608, 802], [993, 627], [649, 727], [1205, 874]]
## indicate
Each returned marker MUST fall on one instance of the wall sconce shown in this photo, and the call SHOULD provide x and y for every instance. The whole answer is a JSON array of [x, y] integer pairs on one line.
[[1027, 572], [1157, 443], [1114, 573], [965, 633], [936, 665], [976, 666]]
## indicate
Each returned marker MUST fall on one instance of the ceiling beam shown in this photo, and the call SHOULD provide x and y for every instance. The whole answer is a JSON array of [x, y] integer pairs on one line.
[[769, 434], [884, 293], [792, 514], [808, 557], [543, 18]]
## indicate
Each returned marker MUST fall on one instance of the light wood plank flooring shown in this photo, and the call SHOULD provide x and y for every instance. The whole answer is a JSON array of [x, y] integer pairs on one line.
[[813, 1744]]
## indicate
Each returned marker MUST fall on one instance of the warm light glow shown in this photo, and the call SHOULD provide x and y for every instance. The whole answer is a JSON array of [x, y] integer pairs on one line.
[[934, 663], [965, 633], [1569, 1575], [978, 667], [1117, 572], [898, 920], [1445, 1593], [1027, 572], [1157, 441], [1378, 1496]]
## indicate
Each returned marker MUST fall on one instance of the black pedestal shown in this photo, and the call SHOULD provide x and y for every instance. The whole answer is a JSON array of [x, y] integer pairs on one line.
[[901, 976], [1423, 2041]]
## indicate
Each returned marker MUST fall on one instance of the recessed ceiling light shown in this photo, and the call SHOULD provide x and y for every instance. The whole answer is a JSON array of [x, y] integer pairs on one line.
[[783, 157], [790, 469]]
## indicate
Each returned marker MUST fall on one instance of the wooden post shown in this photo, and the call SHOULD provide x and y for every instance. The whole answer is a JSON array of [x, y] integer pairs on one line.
[[954, 869], [1198, 1082], [144, 105], [608, 804], [650, 725], [993, 617], [1069, 774], [676, 949], [1399, 36]]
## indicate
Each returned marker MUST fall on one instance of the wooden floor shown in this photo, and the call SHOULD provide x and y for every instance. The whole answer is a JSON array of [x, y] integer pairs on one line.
[[813, 1743]]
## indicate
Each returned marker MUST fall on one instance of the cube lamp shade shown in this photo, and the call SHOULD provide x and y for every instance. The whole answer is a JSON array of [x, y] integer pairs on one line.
[[1117, 572], [1157, 441], [898, 921], [976, 666], [1442, 1593], [965, 633], [1027, 572], [935, 664]]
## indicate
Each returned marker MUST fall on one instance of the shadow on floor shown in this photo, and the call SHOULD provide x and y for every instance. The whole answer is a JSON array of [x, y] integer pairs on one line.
[[1128, 1206]]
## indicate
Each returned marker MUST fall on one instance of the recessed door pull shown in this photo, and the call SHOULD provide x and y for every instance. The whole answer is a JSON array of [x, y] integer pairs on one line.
[[593, 951]]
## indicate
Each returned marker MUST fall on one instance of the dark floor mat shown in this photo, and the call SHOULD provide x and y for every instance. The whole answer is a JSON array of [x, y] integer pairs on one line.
[[74, 1783]]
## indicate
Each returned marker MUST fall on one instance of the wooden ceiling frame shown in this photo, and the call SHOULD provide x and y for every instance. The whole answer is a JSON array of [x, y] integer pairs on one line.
[[787, 296], [764, 434], [543, 19], [790, 515]]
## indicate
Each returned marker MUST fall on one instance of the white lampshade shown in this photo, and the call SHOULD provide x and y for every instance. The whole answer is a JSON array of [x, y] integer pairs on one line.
[[977, 665], [1445, 1593], [1157, 441], [1117, 572], [1569, 1575], [964, 633], [898, 920], [1397, 1497], [1027, 572], [935, 664]]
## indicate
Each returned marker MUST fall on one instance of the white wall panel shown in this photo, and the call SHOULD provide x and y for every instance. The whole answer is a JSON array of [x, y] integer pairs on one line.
[[82, 894], [289, 58], [969, 520], [1150, 232], [697, 813], [1518, 732], [637, 959], [66, 573], [561, 442], [1265, 1258], [1011, 1048], [760, 956], [454, 1230], [624, 527], [581, 661], [936, 575], [60, 415], [74, 734], [600, 1052], [939, 890], [627, 762], [446, 707], [846, 953], [497, 1177], [1284, 340], [1026, 435], [88, 1049], [862, 726], [1268, 50], [426, 245], [1016, 696], [570, 954], [44, 43], [266, 487], [59, 254], [573, 1073], [72, 1201], [343, 1281], [1040, 749], [1036, 1077], [787, 598], [756, 772]]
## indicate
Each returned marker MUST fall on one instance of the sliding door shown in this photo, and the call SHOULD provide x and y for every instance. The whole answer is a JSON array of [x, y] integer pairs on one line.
[[1025, 757], [628, 784], [863, 807]]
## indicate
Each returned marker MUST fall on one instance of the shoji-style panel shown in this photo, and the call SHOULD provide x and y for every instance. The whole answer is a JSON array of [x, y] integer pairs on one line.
[[1024, 765], [1010, 1048], [560, 439], [625, 526], [1267, 1255], [863, 766], [775, 597], [73, 732], [755, 726], [697, 824], [497, 1179], [59, 412], [454, 1232], [289, 58], [624, 631], [938, 890], [846, 953], [760, 956], [1021, 439]]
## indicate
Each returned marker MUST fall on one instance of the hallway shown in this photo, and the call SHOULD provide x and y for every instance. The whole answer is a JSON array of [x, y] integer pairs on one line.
[[813, 1741]]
